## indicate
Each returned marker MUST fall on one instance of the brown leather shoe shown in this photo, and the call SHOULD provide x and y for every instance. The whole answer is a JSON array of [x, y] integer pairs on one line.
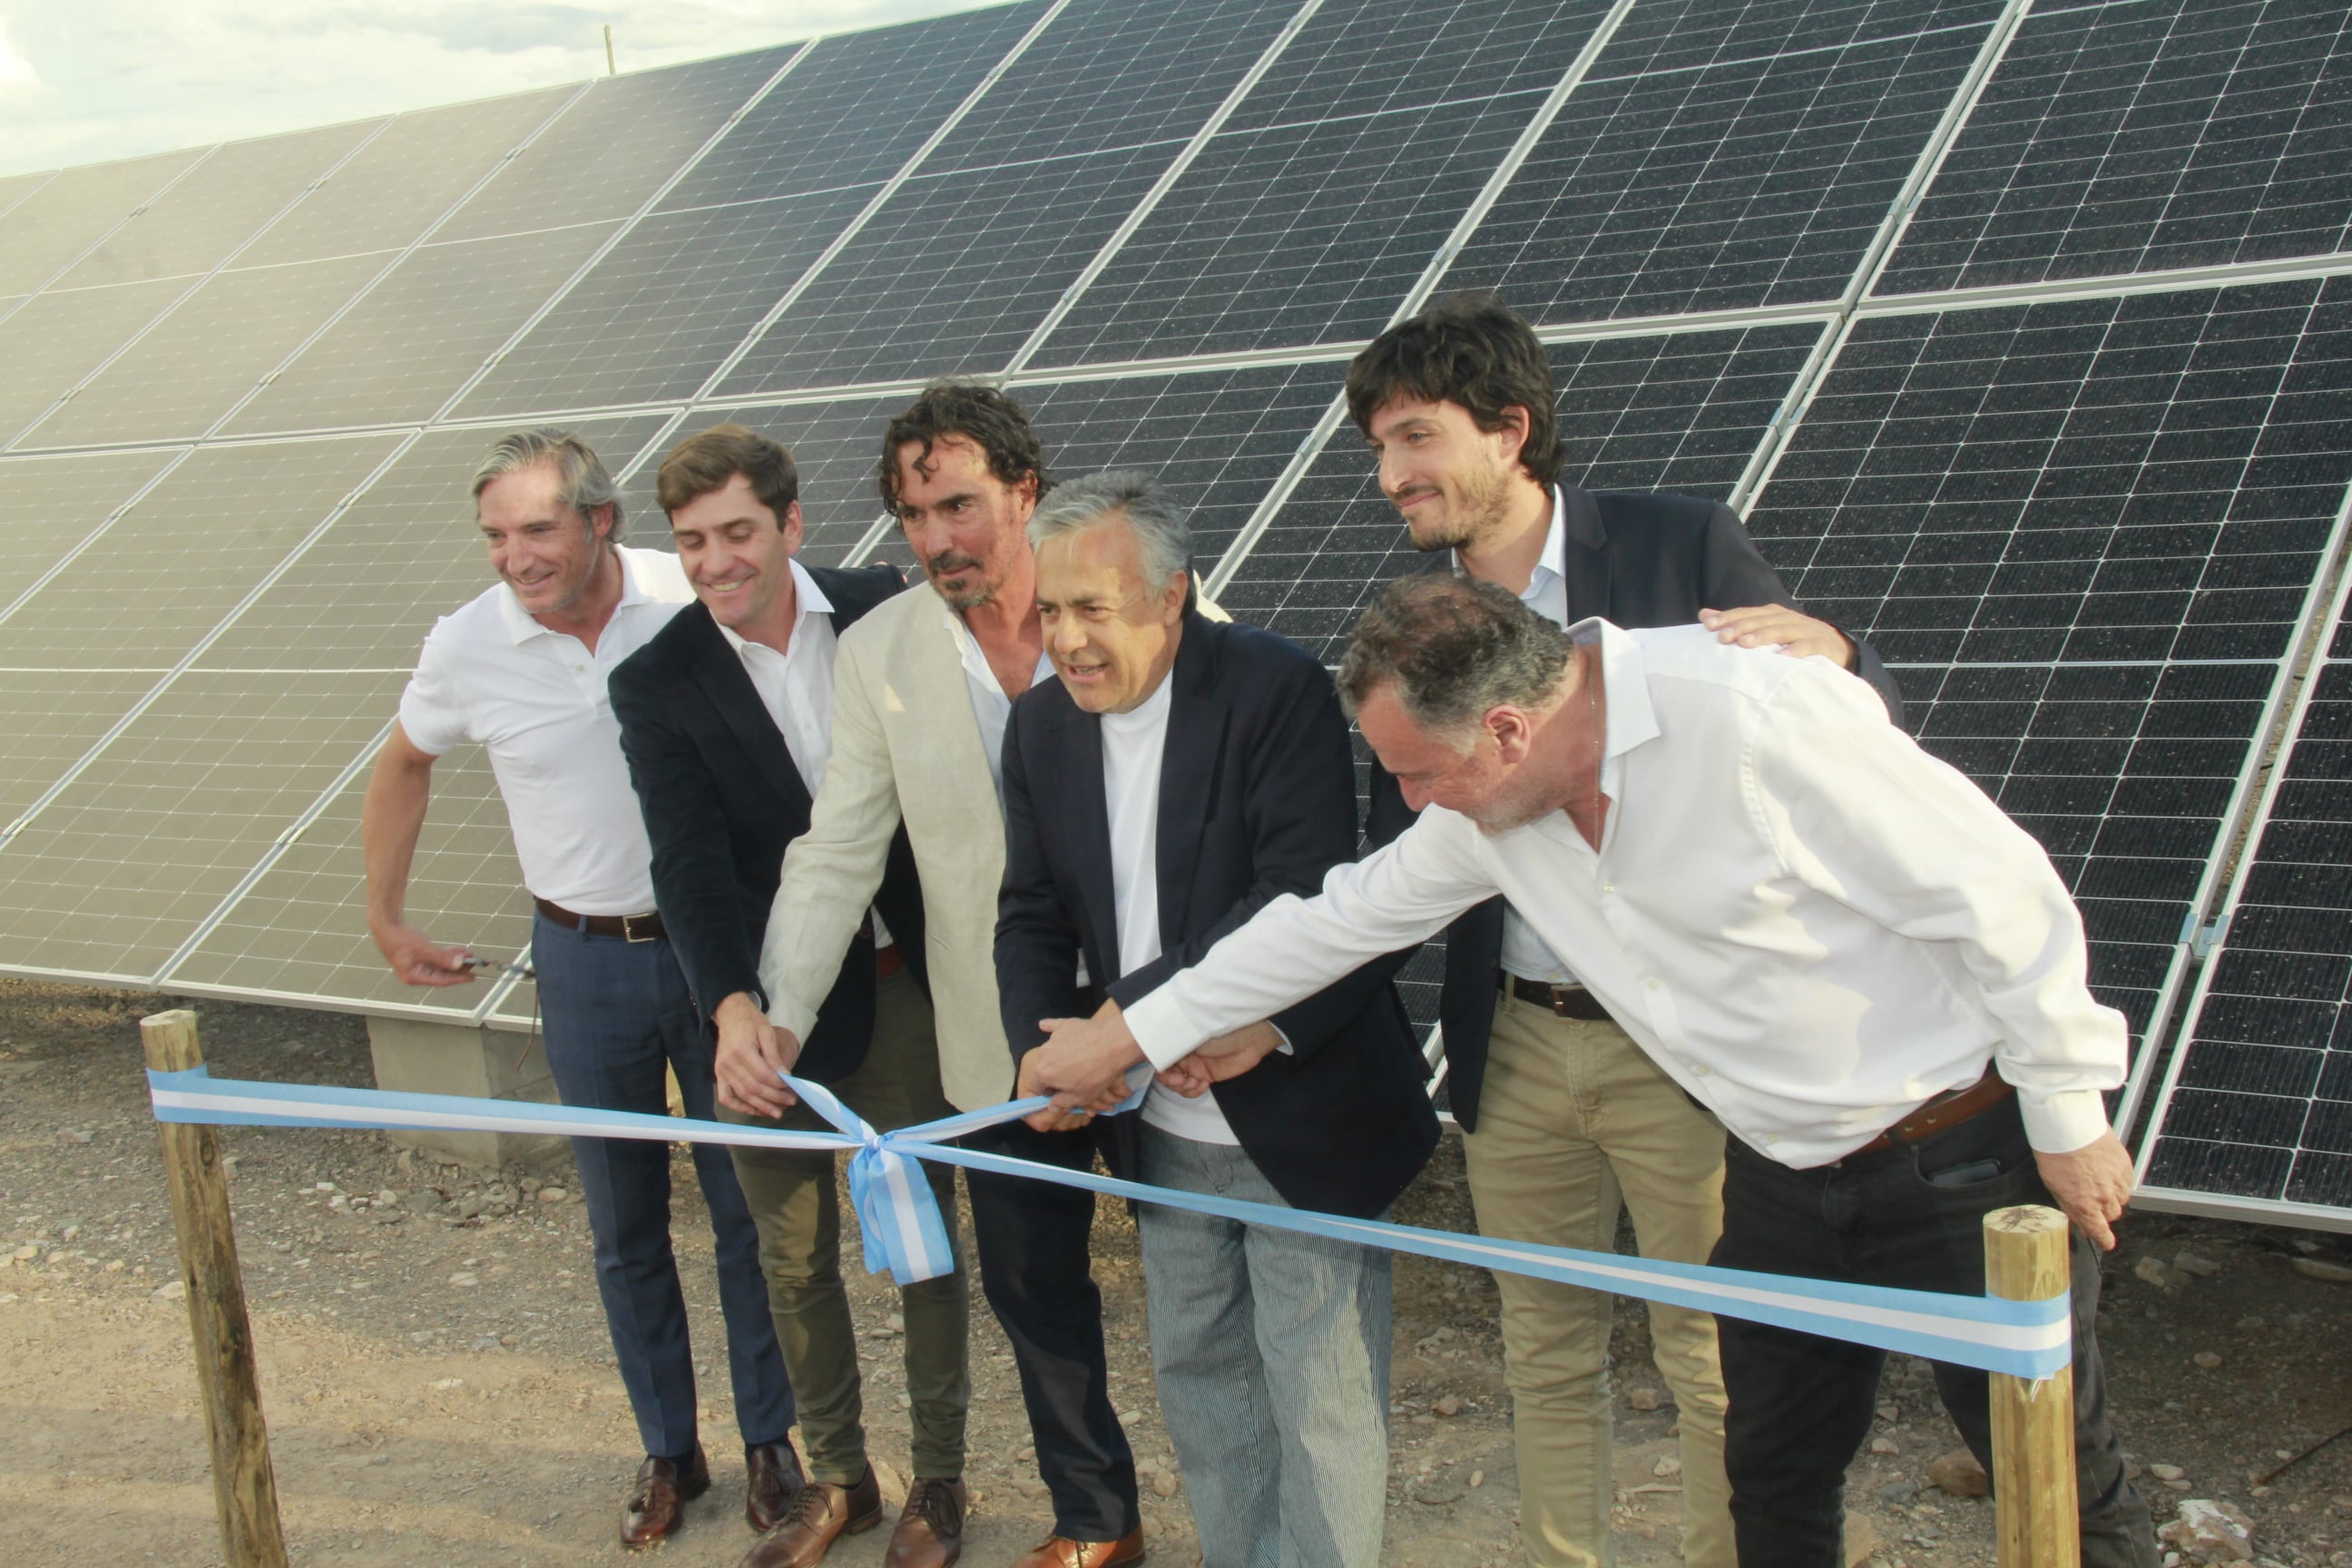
[[1061, 1551], [656, 1501], [930, 1527], [818, 1512], [771, 1477]]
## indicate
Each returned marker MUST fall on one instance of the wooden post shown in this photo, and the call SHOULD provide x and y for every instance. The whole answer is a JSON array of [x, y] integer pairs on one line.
[[2037, 1521], [244, 1492]]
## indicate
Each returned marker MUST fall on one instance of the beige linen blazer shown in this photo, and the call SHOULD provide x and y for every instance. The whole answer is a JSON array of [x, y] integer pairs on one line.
[[906, 746]]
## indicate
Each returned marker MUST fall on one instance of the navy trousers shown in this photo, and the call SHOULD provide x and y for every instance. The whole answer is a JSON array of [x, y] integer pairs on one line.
[[615, 1014], [1036, 1260]]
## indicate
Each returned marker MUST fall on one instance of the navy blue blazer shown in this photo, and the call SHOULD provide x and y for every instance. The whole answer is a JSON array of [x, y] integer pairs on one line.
[[1256, 798], [1639, 559], [721, 799]]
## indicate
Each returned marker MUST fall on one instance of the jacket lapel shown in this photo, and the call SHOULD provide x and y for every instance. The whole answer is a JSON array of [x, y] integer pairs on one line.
[[719, 671], [1583, 538], [1189, 765], [1086, 817]]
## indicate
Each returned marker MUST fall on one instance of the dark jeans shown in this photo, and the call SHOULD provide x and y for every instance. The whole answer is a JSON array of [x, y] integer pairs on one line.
[[615, 1011], [1036, 1271], [1801, 1405]]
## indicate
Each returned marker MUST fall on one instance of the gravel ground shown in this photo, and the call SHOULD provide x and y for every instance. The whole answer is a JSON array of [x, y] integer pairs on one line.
[[440, 1390]]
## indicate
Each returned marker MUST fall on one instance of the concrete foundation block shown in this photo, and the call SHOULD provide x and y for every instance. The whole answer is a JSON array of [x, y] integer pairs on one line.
[[414, 1057]]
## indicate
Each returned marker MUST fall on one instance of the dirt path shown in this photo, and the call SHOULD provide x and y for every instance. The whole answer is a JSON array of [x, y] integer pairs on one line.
[[440, 1390]]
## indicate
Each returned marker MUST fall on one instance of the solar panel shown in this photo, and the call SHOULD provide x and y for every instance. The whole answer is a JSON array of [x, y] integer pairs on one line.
[[612, 147], [1750, 179], [53, 340], [403, 554], [2256, 1113], [1682, 412], [1310, 225], [47, 231], [148, 841], [181, 374], [188, 230], [2084, 532], [2140, 135], [412, 340], [167, 572], [48, 505], [2081, 508], [299, 933], [660, 313], [403, 179]]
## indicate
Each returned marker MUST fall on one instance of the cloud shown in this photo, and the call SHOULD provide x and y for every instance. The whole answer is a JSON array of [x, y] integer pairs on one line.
[[15, 70], [80, 83]]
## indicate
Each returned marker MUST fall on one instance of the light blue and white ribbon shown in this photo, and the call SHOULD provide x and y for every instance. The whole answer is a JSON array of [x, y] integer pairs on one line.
[[905, 1233]]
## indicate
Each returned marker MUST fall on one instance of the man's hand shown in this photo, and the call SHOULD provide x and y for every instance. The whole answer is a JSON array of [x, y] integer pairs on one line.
[[1797, 635], [2093, 1184], [418, 960], [751, 1053], [1052, 1118], [1083, 1063], [1227, 1056]]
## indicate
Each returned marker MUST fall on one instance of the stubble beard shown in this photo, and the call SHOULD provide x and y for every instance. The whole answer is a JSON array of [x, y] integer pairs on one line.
[[1483, 503]]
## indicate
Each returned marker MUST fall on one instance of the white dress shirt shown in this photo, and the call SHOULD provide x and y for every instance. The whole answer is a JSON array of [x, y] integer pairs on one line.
[[989, 703], [536, 699], [1809, 923], [796, 687], [1132, 745], [1523, 951]]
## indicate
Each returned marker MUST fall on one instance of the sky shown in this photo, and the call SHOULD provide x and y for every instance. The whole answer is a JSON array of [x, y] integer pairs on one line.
[[84, 80]]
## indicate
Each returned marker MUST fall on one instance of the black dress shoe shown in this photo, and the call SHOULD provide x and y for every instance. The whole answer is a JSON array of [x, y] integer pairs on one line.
[[772, 1475], [656, 1501]]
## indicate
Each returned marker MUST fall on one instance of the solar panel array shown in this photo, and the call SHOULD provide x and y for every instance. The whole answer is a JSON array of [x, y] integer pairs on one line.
[[2021, 334]]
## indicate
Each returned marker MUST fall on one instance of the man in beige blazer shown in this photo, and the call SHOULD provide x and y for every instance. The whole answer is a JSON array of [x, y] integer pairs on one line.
[[923, 687]]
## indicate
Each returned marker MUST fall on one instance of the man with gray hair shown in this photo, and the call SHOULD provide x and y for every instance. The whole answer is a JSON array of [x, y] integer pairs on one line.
[[1178, 775], [522, 670], [1833, 941]]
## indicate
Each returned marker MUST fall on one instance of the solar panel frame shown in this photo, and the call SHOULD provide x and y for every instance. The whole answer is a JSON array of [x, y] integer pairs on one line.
[[2251, 1118], [2115, 161]]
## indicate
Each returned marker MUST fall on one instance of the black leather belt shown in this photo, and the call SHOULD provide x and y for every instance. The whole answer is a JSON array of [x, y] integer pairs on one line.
[[1567, 1001], [647, 927]]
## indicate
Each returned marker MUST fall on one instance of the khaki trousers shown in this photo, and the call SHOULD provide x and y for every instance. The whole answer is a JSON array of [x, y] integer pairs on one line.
[[793, 1204], [1573, 1122]]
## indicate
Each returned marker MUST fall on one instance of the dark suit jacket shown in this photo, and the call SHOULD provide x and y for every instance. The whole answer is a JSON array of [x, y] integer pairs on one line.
[[1640, 559], [722, 798], [1256, 798]]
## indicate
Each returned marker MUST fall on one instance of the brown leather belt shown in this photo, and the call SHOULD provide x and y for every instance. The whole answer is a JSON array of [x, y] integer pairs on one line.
[[647, 927], [1947, 1110], [1568, 1001], [887, 962]]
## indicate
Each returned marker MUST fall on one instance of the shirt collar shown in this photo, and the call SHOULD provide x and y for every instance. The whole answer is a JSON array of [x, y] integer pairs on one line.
[[520, 625], [808, 599], [1629, 721], [1553, 562]]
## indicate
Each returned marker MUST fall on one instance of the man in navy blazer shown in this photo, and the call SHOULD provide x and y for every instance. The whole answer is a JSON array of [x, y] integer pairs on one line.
[[1565, 1120], [726, 724], [1179, 774]]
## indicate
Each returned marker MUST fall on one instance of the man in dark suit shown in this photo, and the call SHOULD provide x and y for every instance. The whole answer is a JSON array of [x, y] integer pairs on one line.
[[1565, 1119], [726, 722], [1178, 775]]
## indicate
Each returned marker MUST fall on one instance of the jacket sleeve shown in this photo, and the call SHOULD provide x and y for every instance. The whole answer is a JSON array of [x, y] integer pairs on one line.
[[1036, 942], [693, 864], [1300, 811], [1735, 576], [832, 872]]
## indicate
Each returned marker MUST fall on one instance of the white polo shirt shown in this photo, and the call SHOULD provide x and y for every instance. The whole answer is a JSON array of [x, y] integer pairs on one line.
[[537, 700]]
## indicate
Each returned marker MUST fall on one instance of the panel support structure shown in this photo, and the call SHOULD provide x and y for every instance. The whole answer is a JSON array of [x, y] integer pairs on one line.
[[416, 1057]]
